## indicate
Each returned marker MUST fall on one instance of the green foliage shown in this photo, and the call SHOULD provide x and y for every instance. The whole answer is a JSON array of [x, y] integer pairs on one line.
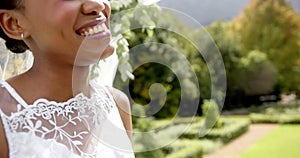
[[137, 111], [160, 124], [229, 47], [128, 15], [170, 129], [117, 5], [210, 146], [146, 143], [140, 87], [168, 51], [230, 130], [211, 112], [148, 154], [186, 149], [277, 108], [184, 134], [258, 74], [272, 27], [149, 149], [276, 113], [254, 60], [207, 146], [279, 118], [165, 123]]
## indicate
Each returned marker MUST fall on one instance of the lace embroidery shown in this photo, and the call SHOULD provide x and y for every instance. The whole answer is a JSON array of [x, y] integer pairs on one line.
[[57, 116]]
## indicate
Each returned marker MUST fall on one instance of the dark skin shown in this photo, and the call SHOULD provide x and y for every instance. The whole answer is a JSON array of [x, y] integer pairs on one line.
[[54, 38]]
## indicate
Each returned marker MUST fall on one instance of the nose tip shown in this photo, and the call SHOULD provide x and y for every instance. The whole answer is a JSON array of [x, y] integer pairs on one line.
[[92, 7]]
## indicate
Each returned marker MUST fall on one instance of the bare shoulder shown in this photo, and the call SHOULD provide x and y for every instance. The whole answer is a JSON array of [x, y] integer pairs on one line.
[[124, 108], [120, 98], [3, 140]]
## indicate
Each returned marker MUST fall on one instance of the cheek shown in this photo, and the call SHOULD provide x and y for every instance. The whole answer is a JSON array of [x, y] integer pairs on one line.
[[64, 15], [57, 27], [54, 20]]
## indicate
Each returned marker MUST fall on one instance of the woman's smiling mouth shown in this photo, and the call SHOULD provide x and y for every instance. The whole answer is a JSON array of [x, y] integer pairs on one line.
[[89, 31]]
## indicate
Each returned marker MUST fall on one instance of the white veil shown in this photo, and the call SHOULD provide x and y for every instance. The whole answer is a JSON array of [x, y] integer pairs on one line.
[[12, 64], [107, 70]]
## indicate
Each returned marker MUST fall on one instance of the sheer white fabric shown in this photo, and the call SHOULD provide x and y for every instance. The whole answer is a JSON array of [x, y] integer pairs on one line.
[[80, 127], [107, 69]]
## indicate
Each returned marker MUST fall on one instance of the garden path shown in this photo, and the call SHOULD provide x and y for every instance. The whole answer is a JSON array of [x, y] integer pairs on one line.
[[235, 148]]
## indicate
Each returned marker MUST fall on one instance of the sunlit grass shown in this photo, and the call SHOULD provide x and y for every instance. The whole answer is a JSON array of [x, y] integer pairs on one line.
[[282, 142]]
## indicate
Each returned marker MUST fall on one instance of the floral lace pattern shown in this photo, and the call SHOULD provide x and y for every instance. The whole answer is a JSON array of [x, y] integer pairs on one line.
[[52, 120]]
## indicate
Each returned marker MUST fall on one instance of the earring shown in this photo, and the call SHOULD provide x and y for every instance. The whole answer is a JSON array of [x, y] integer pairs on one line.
[[22, 35]]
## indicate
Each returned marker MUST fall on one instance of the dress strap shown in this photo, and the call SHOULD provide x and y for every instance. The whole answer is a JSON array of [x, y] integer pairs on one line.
[[13, 93]]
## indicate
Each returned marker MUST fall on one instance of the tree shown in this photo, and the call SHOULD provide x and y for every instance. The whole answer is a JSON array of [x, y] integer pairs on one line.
[[272, 27], [258, 74], [229, 47]]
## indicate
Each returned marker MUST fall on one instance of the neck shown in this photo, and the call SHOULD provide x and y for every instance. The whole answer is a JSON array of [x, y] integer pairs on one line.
[[53, 81]]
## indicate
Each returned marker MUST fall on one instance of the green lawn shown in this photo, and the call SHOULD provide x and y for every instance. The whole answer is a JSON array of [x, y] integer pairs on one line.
[[282, 142]]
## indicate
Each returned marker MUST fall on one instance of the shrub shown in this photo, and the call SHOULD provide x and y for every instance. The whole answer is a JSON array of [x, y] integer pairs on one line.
[[277, 113], [276, 108], [193, 131], [211, 112], [166, 123], [180, 120], [279, 118], [146, 142], [147, 145], [185, 149], [207, 145], [170, 134], [192, 152], [230, 130], [148, 154]]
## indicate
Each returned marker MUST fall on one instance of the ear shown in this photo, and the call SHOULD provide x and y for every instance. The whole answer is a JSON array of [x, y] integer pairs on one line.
[[10, 24]]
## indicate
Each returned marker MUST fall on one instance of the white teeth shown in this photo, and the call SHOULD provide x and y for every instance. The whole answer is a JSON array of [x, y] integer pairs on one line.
[[104, 26], [100, 29], [93, 30]]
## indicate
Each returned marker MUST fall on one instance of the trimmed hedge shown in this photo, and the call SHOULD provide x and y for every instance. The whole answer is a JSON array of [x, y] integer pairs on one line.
[[193, 131], [159, 125], [195, 146], [185, 149], [279, 118], [208, 146], [231, 129], [276, 113], [193, 152], [234, 129]]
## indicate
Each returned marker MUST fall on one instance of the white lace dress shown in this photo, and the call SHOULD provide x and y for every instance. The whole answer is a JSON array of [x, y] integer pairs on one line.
[[81, 127]]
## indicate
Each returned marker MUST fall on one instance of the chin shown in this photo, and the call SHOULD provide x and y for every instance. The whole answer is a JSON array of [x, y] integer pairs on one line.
[[89, 54], [108, 52]]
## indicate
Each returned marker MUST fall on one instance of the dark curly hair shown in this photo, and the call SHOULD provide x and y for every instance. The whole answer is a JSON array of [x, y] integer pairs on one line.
[[16, 46]]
